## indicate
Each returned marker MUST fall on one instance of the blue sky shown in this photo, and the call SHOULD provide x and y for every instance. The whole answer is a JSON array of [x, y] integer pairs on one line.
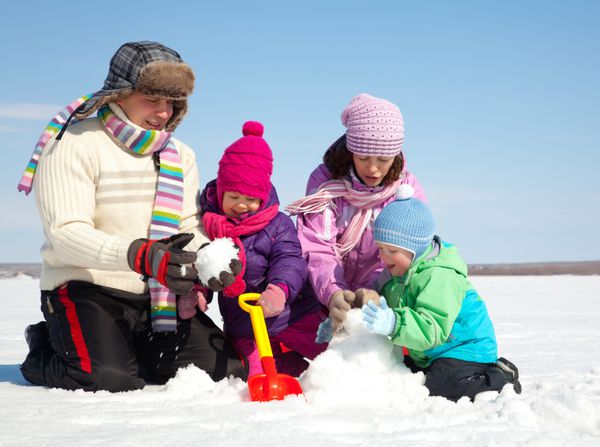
[[501, 101]]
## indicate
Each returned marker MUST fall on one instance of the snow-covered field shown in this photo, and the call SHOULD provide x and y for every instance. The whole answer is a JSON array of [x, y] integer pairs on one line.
[[354, 393]]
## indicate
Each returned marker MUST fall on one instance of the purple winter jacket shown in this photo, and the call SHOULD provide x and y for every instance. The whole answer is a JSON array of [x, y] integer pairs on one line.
[[319, 232], [273, 256]]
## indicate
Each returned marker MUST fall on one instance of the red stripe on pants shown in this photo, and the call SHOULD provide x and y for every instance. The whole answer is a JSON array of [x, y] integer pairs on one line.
[[75, 327]]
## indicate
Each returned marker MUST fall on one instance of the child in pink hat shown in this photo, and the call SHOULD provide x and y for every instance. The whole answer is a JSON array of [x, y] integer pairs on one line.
[[242, 204], [360, 174]]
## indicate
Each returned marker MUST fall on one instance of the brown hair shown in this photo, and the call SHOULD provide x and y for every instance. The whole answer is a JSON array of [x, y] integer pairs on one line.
[[338, 160]]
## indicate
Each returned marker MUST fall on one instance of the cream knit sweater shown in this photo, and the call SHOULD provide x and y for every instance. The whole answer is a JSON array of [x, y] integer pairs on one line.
[[94, 199]]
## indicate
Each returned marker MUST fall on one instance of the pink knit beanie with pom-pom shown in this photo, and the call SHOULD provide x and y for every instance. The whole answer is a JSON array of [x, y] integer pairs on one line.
[[247, 165]]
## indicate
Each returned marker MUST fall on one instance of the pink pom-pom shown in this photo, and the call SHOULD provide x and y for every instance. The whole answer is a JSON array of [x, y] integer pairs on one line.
[[253, 128]]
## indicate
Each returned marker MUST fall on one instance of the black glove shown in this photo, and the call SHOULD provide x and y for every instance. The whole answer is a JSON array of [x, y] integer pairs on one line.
[[163, 259], [225, 278]]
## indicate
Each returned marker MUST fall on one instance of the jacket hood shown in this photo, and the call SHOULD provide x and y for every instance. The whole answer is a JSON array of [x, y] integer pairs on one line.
[[209, 200], [439, 254]]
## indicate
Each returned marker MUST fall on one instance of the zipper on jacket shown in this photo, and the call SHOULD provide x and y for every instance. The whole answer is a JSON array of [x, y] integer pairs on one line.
[[156, 160], [49, 304]]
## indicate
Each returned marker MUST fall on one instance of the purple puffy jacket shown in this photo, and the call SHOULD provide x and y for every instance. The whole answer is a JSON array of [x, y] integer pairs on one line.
[[273, 256]]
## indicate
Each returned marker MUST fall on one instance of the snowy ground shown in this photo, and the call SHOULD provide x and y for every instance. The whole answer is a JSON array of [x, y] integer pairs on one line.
[[354, 393]]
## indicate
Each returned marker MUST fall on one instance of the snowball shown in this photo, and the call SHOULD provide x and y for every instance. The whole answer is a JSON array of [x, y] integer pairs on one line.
[[215, 258]]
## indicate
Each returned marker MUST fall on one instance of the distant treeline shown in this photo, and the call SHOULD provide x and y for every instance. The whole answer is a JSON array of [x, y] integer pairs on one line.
[[532, 268], [537, 268]]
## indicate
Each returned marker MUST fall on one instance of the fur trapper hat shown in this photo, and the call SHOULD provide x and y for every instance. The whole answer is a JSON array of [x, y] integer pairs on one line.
[[150, 68]]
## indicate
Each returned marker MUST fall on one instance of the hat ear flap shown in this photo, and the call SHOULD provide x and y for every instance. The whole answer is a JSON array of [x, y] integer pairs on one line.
[[180, 109], [98, 101]]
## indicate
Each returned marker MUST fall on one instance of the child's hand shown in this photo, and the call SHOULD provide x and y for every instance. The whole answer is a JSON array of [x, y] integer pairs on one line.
[[325, 332], [186, 304], [272, 301], [379, 319]]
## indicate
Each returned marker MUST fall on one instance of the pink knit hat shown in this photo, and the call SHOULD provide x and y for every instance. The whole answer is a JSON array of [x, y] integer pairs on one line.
[[374, 126], [247, 165]]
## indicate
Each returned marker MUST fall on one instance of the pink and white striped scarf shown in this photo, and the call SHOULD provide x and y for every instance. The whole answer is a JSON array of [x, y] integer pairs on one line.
[[364, 201]]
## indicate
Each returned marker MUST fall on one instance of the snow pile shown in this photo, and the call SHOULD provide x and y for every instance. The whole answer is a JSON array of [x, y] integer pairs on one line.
[[360, 368]]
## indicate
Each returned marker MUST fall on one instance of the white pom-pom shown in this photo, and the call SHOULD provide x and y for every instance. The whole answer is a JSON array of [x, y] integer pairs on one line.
[[215, 258], [404, 191]]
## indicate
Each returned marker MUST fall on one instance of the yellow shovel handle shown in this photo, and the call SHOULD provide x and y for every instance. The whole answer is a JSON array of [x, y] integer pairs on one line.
[[258, 323]]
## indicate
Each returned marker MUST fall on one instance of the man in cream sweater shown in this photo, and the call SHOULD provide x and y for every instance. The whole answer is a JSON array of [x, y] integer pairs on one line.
[[116, 195]]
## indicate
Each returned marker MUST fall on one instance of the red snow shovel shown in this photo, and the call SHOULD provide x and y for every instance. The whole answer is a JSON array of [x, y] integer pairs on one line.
[[271, 385]]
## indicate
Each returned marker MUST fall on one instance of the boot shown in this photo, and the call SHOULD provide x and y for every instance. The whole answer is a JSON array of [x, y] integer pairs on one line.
[[511, 372], [37, 337], [291, 363]]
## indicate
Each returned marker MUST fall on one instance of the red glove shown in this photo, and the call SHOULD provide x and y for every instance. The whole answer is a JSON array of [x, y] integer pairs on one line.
[[272, 300]]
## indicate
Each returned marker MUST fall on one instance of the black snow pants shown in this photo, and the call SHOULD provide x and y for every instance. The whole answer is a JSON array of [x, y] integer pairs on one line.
[[453, 378], [100, 338]]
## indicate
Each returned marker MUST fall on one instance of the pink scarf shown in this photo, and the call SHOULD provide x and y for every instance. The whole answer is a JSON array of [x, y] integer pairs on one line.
[[219, 225], [364, 201]]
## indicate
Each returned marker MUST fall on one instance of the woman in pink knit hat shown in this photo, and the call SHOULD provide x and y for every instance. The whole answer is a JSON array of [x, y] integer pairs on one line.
[[360, 174], [242, 204]]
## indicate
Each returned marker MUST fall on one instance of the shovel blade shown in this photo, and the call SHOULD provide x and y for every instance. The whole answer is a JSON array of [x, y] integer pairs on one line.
[[263, 388]]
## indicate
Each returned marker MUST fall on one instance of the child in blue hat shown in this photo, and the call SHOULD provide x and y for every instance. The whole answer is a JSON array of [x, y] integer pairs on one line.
[[430, 307]]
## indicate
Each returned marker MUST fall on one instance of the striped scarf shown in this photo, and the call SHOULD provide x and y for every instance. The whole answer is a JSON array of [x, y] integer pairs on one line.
[[55, 125], [364, 201], [168, 202]]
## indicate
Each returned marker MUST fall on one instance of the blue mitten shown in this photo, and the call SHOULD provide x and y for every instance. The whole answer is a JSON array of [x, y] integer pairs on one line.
[[379, 319], [325, 331]]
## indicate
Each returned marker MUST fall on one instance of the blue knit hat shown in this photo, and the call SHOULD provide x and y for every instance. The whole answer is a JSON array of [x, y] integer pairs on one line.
[[406, 223]]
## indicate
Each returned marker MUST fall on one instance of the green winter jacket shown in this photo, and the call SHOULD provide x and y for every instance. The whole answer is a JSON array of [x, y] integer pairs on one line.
[[438, 312]]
